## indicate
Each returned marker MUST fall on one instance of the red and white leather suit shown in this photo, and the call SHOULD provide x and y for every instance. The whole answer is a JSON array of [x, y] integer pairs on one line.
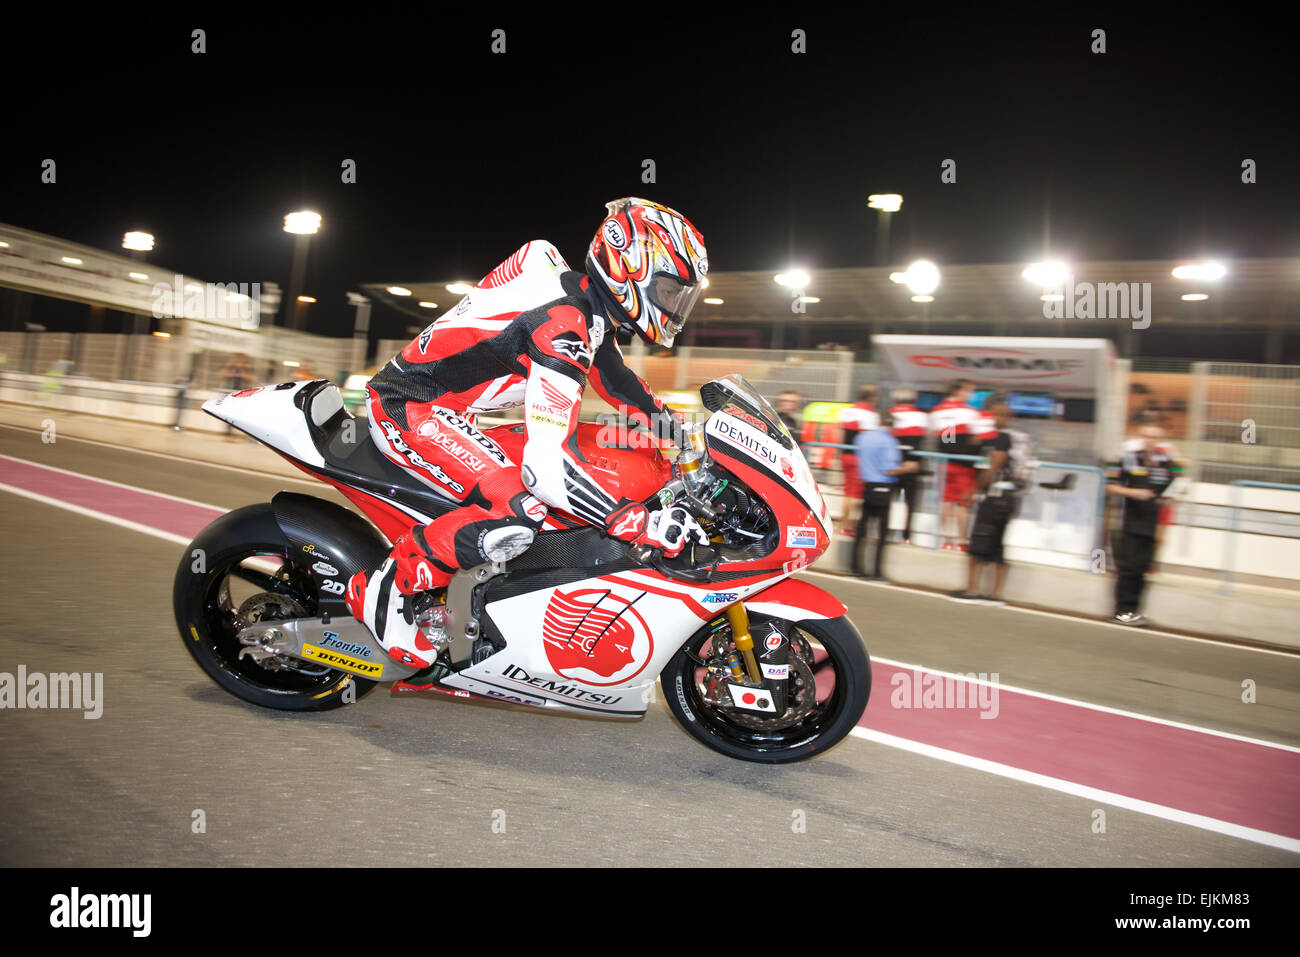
[[531, 333]]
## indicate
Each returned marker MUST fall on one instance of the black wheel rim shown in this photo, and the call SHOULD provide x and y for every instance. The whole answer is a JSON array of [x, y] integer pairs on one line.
[[238, 577], [831, 696]]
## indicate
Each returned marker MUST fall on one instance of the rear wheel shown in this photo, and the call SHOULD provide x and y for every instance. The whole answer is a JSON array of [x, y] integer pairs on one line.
[[238, 571], [829, 684]]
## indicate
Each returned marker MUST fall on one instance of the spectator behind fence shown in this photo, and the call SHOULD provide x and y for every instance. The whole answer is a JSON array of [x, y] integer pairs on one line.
[[789, 406], [236, 375], [880, 463], [909, 428], [859, 417], [959, 430], [1140, 479], [1000, 486]]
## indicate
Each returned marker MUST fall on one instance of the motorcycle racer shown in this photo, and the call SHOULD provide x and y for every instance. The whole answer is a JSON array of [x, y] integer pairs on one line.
[[532, 332]]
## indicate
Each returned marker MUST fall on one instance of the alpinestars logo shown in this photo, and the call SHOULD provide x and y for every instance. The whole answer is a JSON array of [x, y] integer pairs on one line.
[[570, 345], [630, 524], [416, 459], [425, 336], [595, 636]]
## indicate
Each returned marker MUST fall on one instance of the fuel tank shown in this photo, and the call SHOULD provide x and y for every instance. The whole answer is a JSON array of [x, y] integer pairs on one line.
[[632, 473]]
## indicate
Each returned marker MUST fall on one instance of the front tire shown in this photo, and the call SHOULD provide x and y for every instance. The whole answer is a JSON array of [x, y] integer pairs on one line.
[[842, 675], [240, 566]]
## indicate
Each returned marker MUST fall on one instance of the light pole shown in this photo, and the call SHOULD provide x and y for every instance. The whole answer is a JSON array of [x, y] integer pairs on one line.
[[303, 224], [887, 204], [138, 244]]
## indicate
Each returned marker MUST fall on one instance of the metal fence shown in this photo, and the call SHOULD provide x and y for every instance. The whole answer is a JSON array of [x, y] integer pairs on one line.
[[194, 358], [1245, 422], [1065, 522], [1258, 521]]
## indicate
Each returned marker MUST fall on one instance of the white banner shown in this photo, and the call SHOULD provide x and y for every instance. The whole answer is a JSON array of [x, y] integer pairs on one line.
[[931, 363]]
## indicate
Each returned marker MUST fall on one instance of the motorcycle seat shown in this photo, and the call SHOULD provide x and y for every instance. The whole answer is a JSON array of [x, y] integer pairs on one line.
[[351, 458]]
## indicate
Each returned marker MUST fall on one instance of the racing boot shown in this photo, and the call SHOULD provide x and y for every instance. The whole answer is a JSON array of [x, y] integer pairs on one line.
[[382, 601]]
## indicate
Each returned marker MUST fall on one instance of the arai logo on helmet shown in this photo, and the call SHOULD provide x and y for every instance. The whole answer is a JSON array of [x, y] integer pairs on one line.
[[614, 234]]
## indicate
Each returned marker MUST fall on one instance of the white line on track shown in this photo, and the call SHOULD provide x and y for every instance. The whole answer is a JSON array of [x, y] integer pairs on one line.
[[104, 481], [1136, 632], [1085, 704], [1082, 790], [91, 513], [176, 458]]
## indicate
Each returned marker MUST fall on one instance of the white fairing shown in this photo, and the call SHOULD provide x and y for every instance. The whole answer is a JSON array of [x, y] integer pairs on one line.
[[790, 464], [563, 651], [269, 415]]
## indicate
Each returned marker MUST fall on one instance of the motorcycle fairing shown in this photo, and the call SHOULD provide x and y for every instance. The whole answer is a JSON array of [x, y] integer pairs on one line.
[[591, 644], [786, 468], [796, 600]]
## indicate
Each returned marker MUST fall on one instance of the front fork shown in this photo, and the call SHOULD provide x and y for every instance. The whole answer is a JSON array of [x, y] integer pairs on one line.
[[738, 618], [744, 665]]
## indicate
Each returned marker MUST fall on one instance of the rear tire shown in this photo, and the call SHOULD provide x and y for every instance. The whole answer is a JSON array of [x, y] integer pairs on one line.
[[205, 605], [829, 722]]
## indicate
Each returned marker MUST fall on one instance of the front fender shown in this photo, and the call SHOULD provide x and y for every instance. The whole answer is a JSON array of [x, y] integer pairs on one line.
[[796, 600]]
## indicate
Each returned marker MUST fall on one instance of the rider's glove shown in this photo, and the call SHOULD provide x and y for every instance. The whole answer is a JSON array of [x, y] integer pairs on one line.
[[669, 528]]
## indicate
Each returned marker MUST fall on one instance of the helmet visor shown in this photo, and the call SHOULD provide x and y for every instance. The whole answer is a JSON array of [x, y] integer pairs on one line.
[[674, 298]]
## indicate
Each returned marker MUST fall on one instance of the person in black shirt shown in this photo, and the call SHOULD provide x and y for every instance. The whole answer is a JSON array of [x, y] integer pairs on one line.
[[1140, 478], [1000, 486]]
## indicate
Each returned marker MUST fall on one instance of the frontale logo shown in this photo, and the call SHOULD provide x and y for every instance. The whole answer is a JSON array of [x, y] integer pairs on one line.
[[595, 636], [330, 639]]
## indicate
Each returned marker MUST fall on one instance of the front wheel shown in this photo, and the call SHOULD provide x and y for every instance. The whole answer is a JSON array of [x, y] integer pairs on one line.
[[830, 681]]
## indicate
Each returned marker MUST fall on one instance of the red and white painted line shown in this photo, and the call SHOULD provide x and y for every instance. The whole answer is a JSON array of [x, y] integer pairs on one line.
[[152, 513], [1214, 780], [1230, 784]]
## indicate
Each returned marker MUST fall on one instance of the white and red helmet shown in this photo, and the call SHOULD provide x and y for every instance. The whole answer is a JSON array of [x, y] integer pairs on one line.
[[651, 263]]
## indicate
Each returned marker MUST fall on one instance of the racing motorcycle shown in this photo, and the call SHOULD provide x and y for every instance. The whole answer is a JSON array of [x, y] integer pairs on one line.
[[754, 663]]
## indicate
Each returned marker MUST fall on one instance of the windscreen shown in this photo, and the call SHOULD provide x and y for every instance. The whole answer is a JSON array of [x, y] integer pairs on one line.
[[734, 395]]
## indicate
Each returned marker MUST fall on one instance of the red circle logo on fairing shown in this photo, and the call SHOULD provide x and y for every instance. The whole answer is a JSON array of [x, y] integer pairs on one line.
[[595, 636]]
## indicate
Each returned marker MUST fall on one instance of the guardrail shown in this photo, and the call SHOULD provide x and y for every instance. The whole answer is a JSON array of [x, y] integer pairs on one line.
[[1227, 574], [1037, 504]]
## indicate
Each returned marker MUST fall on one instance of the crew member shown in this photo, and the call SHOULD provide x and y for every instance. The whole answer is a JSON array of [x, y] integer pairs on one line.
[[909, 428], [861, 416], [880, 464], [1139, 479]]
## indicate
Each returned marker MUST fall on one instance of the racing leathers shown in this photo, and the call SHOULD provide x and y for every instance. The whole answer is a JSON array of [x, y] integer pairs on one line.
[[531, 333]]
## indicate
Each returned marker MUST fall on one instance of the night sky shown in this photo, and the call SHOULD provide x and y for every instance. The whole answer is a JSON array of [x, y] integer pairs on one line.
[[463, 155]]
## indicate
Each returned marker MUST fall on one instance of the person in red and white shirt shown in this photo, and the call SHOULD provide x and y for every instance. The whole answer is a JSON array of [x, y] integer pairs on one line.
[[910, 428], [960, 429], [861, 416]]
